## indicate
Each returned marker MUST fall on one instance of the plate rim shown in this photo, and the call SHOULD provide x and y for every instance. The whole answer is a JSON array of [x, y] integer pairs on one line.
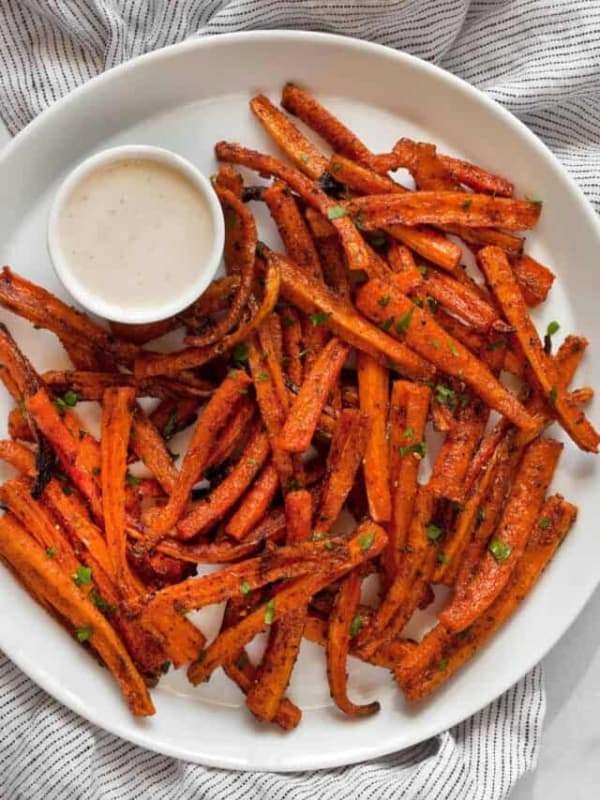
[[365, 751]]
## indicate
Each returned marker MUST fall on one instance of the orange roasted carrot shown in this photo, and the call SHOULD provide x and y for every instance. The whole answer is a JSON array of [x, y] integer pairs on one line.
[[440, 208], [420, 331], [18, 456], [440, 654], [212, 419], [60, 592], [304, 106], [270, 340], [116, 427], [18, 425], [149, 446], [288, 137], [301, 422], [522, 507], [255, 504], [338, 646], [354, 246], [477, 178], [568, 358], [534, 279], [342, 319], [402, 262], [204, 514], [299, 514], [292, 228], [367, 542], [174, 415], [343, 460], [232, 435], [500, 277], [292, 345], [374, 391]]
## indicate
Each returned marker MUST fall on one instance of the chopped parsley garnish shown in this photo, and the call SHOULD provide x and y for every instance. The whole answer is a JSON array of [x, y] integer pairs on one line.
[[436, 343], [262, 377], [293, 485], [82, 576], [287, 322], [417, 450], [553, 327], [387, 324], [240, 352], [384, 300], [365, 542], [433, 304], [358, 220], [51, 552], [410, 431], [553, 395], [500, 550], [423, 270], [481, 514], [270, 611], [329, 545], [442, 558], [242, 660], [404, 322], [336, 167], [452, 347], [252, 462], [68, 400], [244, 587], [319, 318], [335, 212], [544, 523], [443, 664], [434, 532], [356, 625], [133, 480], [467, 205], [101, 603], [498, 345], [83, 634], [171, 426], [67, 490], [445, 396], [317, 536]]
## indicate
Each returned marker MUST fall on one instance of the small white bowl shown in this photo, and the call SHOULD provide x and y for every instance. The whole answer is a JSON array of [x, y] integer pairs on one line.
[[128, 311]]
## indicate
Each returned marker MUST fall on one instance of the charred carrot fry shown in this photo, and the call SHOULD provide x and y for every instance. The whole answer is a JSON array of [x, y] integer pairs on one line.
[[172, 416], [338, 647], [440, 208], [440, 654], [18, 425], [462, 301], [255, 504], [270, 339], [292, 228], [568, 358], [301, 422], [211, 421], [352, 241], [456, 454], [149, 446], [345, 455], [202, 516], [299, 513], [402, 261], [374, 389], [288, 137], [429, 244], [476, 178], [292, 345], [18, 456], [231, 437], [523, 505], [500, 277], [60, 592], [582, 396], [534, 279], [116, 427], [421, 332], [479, 237], [290, 597], [342, 319]]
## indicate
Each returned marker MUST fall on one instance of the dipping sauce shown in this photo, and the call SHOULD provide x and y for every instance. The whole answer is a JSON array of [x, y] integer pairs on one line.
[[136, 232]]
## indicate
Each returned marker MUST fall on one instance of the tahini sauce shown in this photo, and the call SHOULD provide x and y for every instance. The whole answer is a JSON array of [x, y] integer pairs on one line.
[[135, 233]]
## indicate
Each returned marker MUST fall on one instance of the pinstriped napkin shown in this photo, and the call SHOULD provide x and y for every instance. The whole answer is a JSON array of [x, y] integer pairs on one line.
[[539, 58]]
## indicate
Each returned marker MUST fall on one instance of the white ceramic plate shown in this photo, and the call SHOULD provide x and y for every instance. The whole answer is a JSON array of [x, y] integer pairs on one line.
[[186, 98]]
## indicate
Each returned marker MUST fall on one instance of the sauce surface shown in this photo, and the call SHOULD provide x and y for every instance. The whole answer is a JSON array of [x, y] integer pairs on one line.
[[136, 232]]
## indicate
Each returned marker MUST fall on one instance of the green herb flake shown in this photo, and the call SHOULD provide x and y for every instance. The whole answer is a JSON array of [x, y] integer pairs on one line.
[[433, 304], [417, 450], [244, 588], [452, 347], [436, 343], [544, 523], [467, 205], [442, 558], [51, 552], [101, 603], [82, 576], [387, 324], [83, 634], [463, 634], [270, 611], [319, 318], [365, 542], [434, 532], [535, 200], [133, 480], [498, 345], [242, 660], [293, 485], [305, 158], [70, 398], [384, 300], [403, 323], [170, 427], [445, 396], [262, 377], [443, 664], [287, 322], [553, 395], [410, 431], [356, 625], [240, 352], [553, 327], [481, 515], [500, 550], [336, 167], [317, 536], [329, 545], [358, 220], [95, 470], [423, 270], [335, 212]]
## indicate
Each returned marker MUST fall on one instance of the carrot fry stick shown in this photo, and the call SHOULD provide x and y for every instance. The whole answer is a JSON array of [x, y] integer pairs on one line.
[[203, 515], [352, 241], [292, 345], [523, 505], [59, 591], [462, 301], [476, 178], [421, 332], [402, 262], [534, 279], [292, 228], [478, 237], [231, 436], [18, 425], [500, 277], [439, 654], [301, 423], [582, 396], [429, 244], [456, 454], [18, 456], [343, 320], [440, 208], [338, 646], [568, 358], [211, 421], [255, 504], [149, 446], [345, 454], [373, 387], [288, 137], [304, 106], [116, 427], [299, 513], [172, 416], [293, 595], [270, 337]]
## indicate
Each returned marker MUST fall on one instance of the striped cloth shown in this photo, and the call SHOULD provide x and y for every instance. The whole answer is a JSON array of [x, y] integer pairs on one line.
[[540, 59]]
